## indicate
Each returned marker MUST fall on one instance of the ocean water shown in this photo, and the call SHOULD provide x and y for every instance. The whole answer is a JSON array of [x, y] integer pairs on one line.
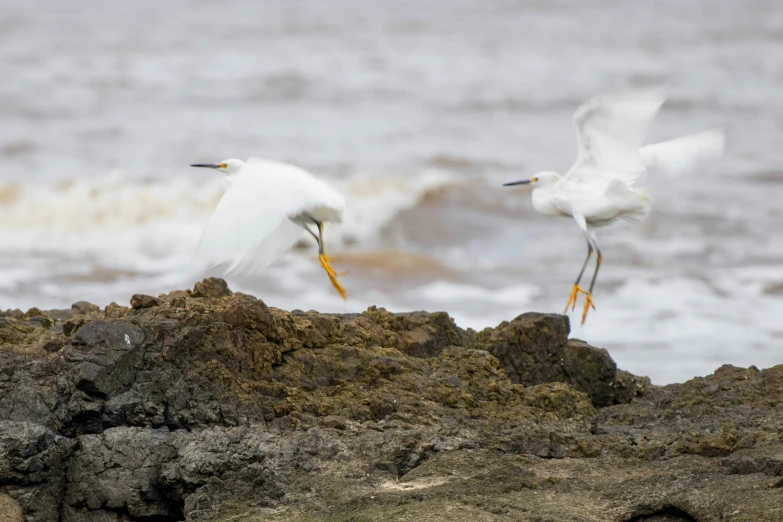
[[418, 112]]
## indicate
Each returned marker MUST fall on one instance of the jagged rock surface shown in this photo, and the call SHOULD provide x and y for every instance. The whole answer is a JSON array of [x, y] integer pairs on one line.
[[207, 405]]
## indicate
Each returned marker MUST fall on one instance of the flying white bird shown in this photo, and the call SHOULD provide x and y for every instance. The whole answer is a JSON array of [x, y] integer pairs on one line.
[[605, 182], [265, 206]]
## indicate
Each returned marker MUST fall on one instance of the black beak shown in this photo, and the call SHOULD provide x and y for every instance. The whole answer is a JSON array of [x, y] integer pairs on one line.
[[207, 165], [521, 182]]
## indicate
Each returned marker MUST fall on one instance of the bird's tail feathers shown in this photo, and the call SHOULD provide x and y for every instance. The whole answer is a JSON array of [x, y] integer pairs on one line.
[[635, 201], [638, 216]]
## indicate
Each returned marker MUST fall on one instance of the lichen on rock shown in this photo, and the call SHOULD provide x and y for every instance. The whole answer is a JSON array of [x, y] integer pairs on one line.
[[208, 405]]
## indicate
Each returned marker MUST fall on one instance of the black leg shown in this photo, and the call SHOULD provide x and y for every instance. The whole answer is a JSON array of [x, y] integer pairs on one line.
[[320, 237], [315, 236], [597, 266], [589, 297], [584, 265], [576, 290]]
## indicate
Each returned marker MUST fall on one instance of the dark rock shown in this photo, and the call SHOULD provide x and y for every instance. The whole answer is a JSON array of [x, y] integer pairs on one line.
[[530, 348], [53, 345], [143, 301], [422, 334], [106, 357], [40, 320], [33, 462], [208, 405], [33, 312], [211, 287], [59, 316], [119, 470], [84, 308], [592, 371], [666, 515], [73, 324], [534, 349], [630, 386]]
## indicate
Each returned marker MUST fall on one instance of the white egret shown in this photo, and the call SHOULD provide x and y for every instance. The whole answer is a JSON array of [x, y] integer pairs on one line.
[[264, 207], [604, 184]]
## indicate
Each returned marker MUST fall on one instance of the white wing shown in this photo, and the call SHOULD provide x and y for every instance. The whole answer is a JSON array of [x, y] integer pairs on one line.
[[610, 129], [684, 154], [315, 196], [252, 224]]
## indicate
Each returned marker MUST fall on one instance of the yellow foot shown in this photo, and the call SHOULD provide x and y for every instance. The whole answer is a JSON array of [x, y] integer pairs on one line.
[[332, 274], [588, 304], [575, 291]]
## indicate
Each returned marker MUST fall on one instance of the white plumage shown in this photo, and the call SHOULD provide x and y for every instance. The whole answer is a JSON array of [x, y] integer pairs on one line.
[[605, 182], [610, 130], [685, 154], [265, 206]]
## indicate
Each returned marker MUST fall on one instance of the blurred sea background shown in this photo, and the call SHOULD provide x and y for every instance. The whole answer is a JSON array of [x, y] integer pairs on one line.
[[418, 112]]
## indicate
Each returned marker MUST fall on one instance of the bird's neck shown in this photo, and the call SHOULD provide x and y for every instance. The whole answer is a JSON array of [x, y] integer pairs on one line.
[[543, 201]]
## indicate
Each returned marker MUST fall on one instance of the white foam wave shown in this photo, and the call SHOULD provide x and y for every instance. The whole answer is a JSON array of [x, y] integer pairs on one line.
[[698, 323], [371, 203], [154, 225], [110, 217]]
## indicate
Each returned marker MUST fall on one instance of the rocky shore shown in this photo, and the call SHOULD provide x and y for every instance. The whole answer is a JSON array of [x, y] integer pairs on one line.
[[207, 405]]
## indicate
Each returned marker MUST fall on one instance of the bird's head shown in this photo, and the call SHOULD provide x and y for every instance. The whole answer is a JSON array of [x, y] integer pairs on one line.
[[541, 179], [229, 166]]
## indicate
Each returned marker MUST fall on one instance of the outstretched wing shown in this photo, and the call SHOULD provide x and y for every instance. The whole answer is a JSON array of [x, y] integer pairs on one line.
[[610, 130], [252, 224], [684, 154], [316, 197]]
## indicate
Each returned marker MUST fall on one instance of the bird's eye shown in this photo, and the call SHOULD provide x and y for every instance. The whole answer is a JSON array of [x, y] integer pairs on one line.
[[222, 165], [533, 180]]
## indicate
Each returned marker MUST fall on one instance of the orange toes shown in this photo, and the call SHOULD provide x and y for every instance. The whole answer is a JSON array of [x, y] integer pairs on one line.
[[588, 304], [332, 274], [575, 291]]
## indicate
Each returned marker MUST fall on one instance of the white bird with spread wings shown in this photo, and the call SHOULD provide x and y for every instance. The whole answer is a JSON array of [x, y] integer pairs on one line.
[[605, 182], [265, 206]]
